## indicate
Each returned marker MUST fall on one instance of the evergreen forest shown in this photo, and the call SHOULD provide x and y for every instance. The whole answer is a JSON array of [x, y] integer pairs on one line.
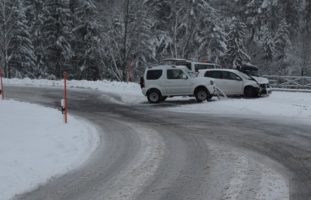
[[108, 39]]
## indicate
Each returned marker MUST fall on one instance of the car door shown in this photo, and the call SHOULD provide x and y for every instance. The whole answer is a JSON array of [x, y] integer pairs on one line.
[[232, 83], [217, 76], [177, 83], [224, 81]]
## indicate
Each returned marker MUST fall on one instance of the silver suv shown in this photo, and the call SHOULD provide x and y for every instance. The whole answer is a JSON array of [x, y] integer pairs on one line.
[[233, 82], [165, 81]]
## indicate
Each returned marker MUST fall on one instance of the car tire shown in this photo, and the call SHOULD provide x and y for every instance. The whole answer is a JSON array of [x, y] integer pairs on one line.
[[250, 92], [154, 96], [201, 94]]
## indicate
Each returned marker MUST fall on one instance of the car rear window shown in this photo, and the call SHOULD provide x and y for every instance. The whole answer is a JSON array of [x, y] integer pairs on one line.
[[154, 74]]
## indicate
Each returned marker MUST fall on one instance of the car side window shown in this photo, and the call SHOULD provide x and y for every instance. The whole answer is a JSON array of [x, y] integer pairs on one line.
[[154, 74], [175, 74], [214, 74], [235, 77], [188, 65], [231, 76]]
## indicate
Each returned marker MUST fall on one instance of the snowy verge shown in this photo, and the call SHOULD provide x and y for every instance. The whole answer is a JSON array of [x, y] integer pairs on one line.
[[128, 92], [36, 145], [279, 105]]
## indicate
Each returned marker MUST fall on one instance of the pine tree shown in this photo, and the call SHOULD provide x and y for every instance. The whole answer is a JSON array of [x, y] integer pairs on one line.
[[139, 51], [87, 41], [268, 46], [35, 20], [7, 23], [127, 39], [236, 54], [210, 35], [281, 40], [291, 9], [21, 51], [57, 35], [307, 15], [306, 32], [172, 27], [188, 29]]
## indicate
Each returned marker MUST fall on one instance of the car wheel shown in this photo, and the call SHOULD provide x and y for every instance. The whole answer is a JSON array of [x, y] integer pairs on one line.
[[154, 96], [250, 92], [201, 94]]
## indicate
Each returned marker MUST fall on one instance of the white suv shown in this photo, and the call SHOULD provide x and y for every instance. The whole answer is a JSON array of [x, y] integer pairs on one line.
[[165, 81], [233, 82]]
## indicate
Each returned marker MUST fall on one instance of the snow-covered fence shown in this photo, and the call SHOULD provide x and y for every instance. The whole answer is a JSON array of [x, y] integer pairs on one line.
[[290, 82]]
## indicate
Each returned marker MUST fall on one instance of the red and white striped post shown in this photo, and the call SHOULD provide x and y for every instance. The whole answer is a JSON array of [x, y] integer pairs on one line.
[[65, 98], [1, 83]]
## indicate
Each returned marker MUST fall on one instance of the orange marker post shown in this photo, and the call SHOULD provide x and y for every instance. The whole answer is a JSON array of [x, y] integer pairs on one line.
[[65, 98], [1, 84]]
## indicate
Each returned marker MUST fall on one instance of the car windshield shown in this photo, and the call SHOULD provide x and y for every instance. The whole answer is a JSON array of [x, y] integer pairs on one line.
[[251, 72], [245, 76]]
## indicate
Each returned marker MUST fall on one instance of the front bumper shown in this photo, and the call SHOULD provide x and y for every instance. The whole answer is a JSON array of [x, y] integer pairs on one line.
[[265, 89]]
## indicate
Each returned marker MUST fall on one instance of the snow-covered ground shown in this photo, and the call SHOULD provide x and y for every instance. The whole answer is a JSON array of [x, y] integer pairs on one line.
[[279, 105], [291, 105], [36, 145]]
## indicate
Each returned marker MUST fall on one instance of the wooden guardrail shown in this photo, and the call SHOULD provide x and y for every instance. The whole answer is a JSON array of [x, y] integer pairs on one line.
[[290, 82]]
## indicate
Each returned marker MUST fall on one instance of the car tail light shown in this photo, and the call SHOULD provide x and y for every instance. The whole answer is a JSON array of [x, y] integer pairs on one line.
[[142, 82]]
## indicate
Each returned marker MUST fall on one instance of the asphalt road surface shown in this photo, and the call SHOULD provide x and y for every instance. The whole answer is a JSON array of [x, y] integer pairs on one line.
[[148, 153]]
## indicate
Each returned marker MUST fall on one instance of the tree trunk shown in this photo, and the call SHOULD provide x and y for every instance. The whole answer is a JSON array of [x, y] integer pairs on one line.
[[5, 41], [126, 16]]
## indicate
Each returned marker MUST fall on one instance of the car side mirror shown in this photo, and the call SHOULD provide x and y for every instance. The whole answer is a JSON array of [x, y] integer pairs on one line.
[[184, 76]]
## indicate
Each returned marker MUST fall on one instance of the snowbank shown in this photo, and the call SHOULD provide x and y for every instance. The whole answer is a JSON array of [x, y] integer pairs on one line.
[[291, 105], [36, 145], [129, 92]]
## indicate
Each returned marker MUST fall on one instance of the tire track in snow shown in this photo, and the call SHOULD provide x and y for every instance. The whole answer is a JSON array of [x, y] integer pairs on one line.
[[241, 177], [131, 181]]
